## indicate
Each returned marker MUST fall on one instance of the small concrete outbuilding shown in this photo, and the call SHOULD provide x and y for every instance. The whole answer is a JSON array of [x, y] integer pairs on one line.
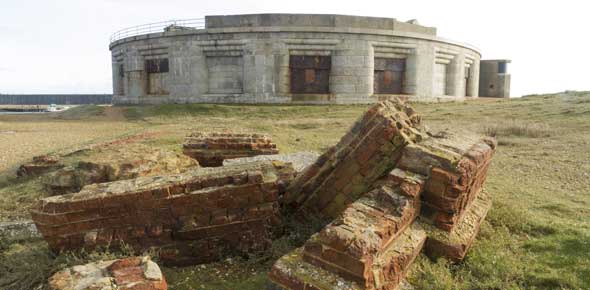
[[494, 79], [290, 58]]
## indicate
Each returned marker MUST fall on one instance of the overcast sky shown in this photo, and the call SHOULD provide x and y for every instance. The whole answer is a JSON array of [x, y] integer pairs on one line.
[[62, 46]]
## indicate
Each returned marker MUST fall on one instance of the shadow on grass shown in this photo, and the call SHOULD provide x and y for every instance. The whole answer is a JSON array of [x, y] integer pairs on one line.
[[24, 265], [567, 251]]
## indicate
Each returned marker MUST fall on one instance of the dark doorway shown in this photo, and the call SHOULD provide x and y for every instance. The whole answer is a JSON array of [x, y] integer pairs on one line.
[[157, 76], [389, 75], [310, 74]]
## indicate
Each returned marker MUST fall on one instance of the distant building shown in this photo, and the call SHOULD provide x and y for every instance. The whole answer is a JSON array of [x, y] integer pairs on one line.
[[494, 79], [290, 58]]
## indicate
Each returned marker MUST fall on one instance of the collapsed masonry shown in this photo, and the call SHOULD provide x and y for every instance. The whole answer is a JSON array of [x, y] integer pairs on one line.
[[391, 189], [111, 163], [193, 217], [39, 165], [210, 149], [134, 273]]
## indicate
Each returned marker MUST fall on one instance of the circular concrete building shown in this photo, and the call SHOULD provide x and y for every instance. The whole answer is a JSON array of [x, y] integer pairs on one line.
[[289, 58]]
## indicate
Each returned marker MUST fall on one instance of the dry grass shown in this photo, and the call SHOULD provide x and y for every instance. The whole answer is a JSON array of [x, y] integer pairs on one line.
[[30, 135], [537, 235], [518, 128]]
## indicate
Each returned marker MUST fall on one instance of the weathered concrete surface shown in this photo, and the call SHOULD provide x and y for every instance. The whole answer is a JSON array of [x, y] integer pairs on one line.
[[194, 216], [40, 165], [300, 160], [210, 149], [111, 163], [370, 149], [134, 273], [455, 244], [457, 166]]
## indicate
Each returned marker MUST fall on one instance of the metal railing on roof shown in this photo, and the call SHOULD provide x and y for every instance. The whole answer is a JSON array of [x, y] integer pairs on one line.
[[169, 25]]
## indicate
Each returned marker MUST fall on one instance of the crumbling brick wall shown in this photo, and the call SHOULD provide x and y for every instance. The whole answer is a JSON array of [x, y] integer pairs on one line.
[[210, 149], [347, 170], [194, 217], [376, 234], [111, 163], [457, 167], [357, 245]]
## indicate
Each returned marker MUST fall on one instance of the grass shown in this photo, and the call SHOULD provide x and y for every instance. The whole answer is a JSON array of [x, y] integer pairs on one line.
[[516, 128], [536, 236], [82, 112]]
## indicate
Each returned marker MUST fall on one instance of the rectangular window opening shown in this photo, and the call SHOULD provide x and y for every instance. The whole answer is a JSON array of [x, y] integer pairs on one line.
[[502, 67], [159, 65]]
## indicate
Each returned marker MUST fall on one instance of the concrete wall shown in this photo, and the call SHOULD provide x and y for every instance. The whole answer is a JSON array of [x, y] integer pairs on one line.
[[494, 84], [245, 59], [314, 20]]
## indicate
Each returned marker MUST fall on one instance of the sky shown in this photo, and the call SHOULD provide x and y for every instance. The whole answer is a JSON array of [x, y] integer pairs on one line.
[[62, 46]]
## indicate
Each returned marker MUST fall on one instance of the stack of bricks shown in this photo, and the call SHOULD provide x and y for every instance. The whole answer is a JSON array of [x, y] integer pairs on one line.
[[375, 238], [210, 149], [371, 244], [457, 167], [195, 217], [134, 273], [369, 150], [453, 205]]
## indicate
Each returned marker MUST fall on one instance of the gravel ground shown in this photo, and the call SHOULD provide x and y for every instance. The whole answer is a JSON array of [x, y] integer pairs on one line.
[[25, 136]]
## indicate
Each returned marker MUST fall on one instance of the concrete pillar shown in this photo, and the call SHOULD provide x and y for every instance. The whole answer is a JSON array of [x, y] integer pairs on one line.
[[282, 81], [456, 76], [421, 69], [135, 76], [410, 75], [351, 74], [199, 73], [115, 74], [473, 87], [259, 70], [249, 85], [188, 73]]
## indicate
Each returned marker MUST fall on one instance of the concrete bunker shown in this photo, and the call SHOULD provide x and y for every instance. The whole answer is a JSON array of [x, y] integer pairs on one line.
[[495, 79], [293, 58]]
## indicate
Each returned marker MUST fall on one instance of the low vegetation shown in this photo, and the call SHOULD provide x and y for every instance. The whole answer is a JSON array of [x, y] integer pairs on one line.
[[537, 235]]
